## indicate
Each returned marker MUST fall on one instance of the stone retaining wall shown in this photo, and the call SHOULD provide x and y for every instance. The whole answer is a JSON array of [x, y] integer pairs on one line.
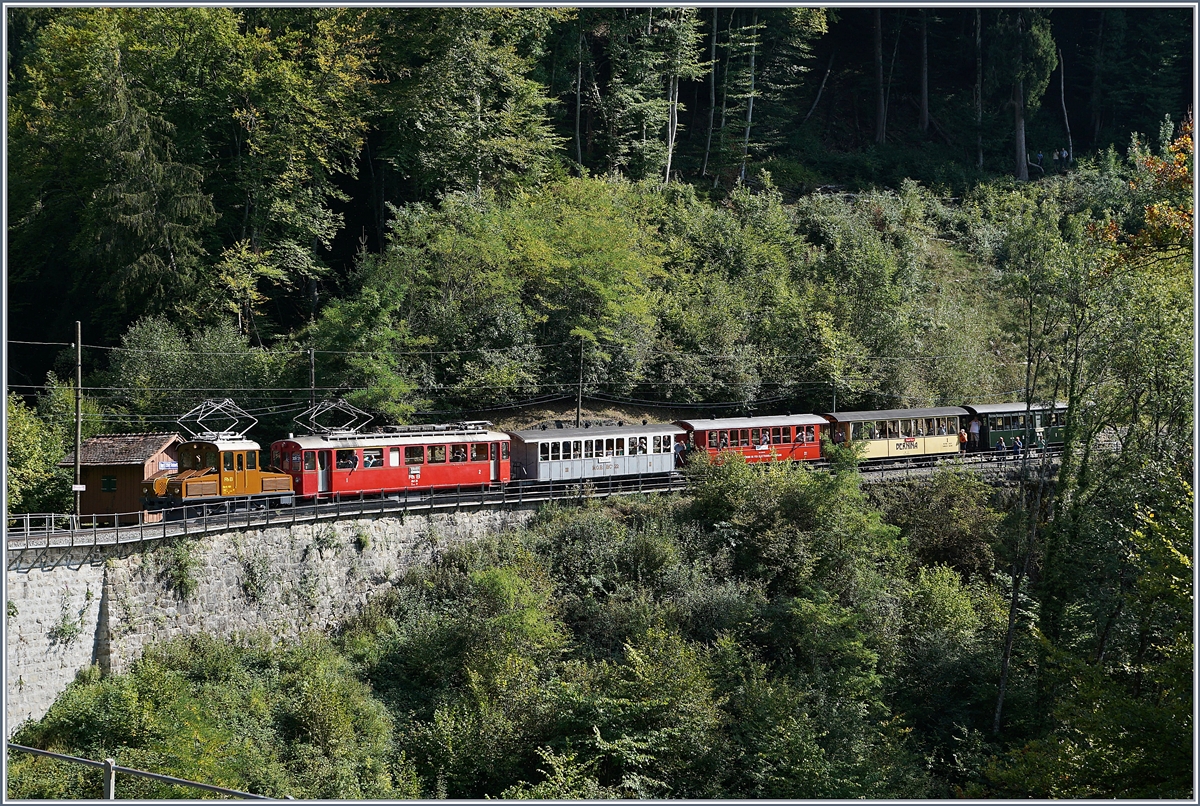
[[105, 606]]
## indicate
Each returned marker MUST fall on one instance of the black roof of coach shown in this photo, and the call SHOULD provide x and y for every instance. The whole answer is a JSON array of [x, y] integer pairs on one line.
[[893, 414]]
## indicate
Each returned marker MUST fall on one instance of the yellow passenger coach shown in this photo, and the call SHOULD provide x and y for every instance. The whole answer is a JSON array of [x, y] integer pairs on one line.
[[897, 433]]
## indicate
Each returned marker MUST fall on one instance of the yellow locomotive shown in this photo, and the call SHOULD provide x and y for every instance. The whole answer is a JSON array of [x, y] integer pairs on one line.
[[215, 466]]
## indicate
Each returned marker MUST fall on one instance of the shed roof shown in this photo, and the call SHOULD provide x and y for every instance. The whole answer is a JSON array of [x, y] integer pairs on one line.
[[121, 449]]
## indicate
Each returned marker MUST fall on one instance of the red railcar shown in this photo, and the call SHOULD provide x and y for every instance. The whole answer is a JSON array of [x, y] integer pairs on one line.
[[393, 460], [791, 437]]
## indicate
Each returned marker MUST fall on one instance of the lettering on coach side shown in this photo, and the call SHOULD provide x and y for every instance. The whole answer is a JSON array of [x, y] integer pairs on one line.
[[907, 445]]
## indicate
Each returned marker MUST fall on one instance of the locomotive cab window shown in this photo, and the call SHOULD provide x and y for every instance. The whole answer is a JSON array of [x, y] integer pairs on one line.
[[504, 451], [252, 460], [310, 460], [240, 462], [227, 458], [275, 459], [437, 454]]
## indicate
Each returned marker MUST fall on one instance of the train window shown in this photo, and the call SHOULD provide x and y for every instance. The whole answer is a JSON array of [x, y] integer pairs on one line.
[[555, 453], [347, 459], [545, 451], [437, 454], [1020, 418], [504, 450], [756, 436], [241, 461], [633, 446], [906, 428], [310, 460], [810, 433], [413, 455], [479, 452], [620, 446], [743, 437], [372, 457], [323, 460], [712, 439], [587, 449], [296, 459], [275, 460], [576, 450], [952, 425], [642, 445], [608, 447], [287, 461], [657, 444], [252, 460], [227, 458], [210, 459], [879, 430], [492, 450]]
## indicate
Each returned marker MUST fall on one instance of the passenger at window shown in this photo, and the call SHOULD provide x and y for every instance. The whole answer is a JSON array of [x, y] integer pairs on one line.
[[765, 441], [724, 440]]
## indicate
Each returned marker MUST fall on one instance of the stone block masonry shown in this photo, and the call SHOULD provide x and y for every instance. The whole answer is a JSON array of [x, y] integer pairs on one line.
[[105, 606]]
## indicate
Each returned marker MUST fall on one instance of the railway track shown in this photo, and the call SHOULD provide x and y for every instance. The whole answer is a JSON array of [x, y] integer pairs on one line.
[[36, 532]]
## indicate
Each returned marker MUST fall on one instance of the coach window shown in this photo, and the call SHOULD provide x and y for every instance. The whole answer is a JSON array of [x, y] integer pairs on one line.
[[712, 439], [879, 429], [393, 457], [504, 451], [577, 449], [587, 449], [952, 425], [310, 460], [620, 446], [479, 452], [437, 454], [227, 457], [252, 460], [608, 446], [372, 457], [347, 459], [544, 451], [810, 433], [555, 453], [414, 455]]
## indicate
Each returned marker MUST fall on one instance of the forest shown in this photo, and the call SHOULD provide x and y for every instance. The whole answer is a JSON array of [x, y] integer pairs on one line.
[[449, 213]]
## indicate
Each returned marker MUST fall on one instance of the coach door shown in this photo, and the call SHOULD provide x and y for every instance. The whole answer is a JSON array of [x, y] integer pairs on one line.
[[324, 470], [495, 454]]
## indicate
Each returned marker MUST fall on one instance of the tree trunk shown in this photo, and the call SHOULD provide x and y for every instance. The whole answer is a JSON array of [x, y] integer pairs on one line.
[[978, 89], [672, 122], [578, 96], [750, 101], [820, 89], [725, 88], [1062, 95], [880, 106], [924, 70], [712, 95], [1018, 99]]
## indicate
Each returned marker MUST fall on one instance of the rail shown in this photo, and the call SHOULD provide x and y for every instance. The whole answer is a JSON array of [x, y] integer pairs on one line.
[[53, 531], [111, 768]]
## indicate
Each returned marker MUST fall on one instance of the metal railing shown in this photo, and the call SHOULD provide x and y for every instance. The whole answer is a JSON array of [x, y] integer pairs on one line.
[[45, 531], [111, 768]]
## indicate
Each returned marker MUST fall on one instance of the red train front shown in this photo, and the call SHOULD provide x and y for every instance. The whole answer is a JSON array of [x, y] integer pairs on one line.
[[420, 457]]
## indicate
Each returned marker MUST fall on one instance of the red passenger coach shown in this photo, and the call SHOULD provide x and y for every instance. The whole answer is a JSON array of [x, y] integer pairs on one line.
[[418, 457], [791, 437]]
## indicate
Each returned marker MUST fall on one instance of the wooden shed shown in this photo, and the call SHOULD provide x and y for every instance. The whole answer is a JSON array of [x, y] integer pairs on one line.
[[112, 467]]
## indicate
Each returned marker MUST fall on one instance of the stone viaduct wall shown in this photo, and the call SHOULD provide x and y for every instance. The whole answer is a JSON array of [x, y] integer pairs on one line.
[[71, 609]]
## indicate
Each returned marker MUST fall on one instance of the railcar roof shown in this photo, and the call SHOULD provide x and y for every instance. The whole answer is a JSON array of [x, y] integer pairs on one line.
[[650, 429], [765, 421], [1011, 408], [226, 445], [894, 414], [381, 440]]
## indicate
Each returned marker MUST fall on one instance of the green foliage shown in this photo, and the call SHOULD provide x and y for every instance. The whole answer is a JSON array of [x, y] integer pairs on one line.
[[179, 566], [35, 483]]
